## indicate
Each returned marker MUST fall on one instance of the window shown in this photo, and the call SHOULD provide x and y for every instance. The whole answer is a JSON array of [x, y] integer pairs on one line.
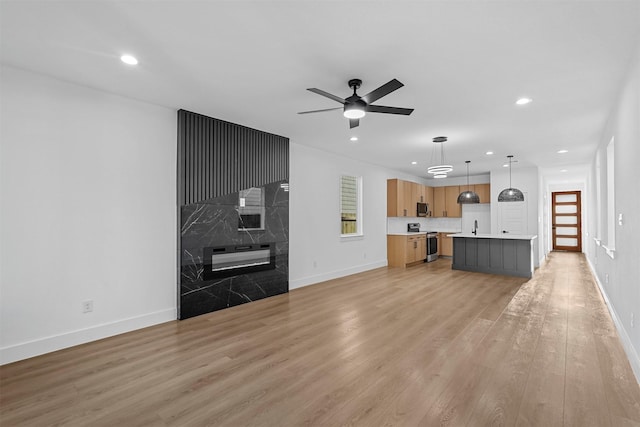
[[350, 205], [611, 202], [251, 209]]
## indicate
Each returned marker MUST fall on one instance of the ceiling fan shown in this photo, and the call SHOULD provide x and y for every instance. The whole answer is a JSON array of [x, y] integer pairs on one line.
[[356, 106]]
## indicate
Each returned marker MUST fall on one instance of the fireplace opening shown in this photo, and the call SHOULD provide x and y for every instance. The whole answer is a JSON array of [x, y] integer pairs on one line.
[[226, 261]]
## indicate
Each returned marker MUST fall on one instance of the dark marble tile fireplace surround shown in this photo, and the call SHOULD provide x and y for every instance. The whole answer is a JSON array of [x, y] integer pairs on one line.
[[233, 214]]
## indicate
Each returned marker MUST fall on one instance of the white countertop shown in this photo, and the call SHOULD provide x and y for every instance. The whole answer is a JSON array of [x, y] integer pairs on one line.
[[504, 236], [417, 233]]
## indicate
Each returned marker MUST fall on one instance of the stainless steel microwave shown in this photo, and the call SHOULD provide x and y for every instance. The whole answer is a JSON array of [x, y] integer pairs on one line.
[[423, 209]]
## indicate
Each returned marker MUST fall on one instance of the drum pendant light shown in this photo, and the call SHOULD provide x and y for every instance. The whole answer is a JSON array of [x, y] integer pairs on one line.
[[468, 196], [510, 194]]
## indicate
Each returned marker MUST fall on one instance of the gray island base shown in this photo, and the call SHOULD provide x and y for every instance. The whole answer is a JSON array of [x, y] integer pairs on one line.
[[511, 255]]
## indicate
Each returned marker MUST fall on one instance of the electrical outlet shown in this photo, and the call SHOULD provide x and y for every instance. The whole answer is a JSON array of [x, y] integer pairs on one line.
[[87, 306], [364, 255], [606, 278], [315, 264], [632, 321]]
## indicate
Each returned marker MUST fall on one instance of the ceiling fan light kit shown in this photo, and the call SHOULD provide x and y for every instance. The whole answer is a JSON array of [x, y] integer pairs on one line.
[[510, 194], [468, 197], [355, 107]]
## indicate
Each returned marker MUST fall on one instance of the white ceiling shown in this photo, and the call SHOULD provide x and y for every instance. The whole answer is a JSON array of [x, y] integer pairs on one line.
[[463, 63]]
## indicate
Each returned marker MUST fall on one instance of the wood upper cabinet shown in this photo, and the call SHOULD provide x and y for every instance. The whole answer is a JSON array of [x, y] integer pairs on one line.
[[396, 205], [419, 193], [445, 202], [452, 208], [439, 206], [403, 196], [484, 192], [428, 198]]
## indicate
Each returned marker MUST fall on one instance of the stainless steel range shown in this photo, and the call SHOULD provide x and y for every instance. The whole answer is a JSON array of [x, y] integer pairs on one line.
[[432, 246], [432, 241]]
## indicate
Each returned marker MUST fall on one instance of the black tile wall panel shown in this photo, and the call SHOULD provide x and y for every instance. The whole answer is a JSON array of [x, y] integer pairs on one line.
[[216, 160]]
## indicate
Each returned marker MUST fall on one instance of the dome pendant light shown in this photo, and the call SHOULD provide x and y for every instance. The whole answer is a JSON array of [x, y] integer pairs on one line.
[[510, 194], [468, 196], [439, 171]]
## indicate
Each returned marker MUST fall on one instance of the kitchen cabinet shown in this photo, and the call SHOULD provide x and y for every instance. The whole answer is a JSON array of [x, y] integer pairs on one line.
[[406, 250], [445, 202], [438, 202], [419, 193], [396, 198], [428, 198], [484, 192], [445, 244], [403, 197], [452, 207]]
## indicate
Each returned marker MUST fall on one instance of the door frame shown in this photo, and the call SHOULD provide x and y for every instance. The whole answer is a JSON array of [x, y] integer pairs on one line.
[[578, 215]]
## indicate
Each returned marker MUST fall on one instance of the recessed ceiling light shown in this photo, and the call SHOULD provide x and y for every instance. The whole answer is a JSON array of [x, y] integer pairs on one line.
[[562, 151], [128, 59], [506, 165], [414, 163], [523, 101], [353, 139], [563, 170], [489, 153]]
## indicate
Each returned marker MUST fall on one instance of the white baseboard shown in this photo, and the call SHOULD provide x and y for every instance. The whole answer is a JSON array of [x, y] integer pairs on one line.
[[632, 354], [310, 280], [69, 339]]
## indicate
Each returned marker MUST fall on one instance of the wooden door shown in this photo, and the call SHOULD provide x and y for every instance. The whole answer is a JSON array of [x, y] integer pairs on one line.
[[566, 224]]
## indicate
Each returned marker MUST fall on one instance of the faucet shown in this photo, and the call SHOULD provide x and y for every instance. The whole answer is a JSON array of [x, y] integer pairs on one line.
[[475, 227]]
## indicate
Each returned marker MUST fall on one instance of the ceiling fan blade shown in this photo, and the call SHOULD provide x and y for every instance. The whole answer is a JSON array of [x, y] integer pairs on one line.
[[327, 94], [388, 110], [383, 90], [320, 111], [353, 123]]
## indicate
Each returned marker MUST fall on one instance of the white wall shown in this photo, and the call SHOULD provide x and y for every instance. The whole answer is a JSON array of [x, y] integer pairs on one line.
[[619, 277], [526, 180], [480, 212], [316, 251], [88, 208], [484, 178]]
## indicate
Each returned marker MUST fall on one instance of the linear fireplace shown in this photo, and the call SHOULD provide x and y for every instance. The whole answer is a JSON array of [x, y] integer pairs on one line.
[[225, 261]]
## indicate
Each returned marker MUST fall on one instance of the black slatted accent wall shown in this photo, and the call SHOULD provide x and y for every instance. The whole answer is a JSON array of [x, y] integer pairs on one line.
[[217, 157]]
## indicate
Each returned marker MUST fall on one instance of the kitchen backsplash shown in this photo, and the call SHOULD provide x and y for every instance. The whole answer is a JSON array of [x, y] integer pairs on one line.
[[399, 224]]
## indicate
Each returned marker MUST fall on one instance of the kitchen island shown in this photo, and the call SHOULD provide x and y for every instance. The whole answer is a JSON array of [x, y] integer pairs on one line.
[[507, 254]]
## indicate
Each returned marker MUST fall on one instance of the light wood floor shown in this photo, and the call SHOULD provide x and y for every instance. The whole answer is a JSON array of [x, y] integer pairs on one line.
[[425, 346]]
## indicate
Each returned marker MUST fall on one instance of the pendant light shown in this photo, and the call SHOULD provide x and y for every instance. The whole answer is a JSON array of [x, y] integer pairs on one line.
[[468, 196], [439, 170], [510, 194]]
